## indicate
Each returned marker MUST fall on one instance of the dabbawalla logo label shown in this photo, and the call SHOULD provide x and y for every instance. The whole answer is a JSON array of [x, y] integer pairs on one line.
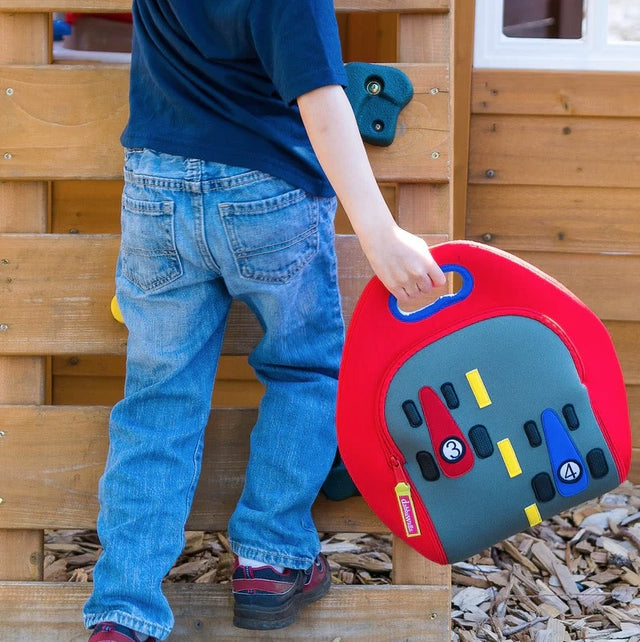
[[407, 510]]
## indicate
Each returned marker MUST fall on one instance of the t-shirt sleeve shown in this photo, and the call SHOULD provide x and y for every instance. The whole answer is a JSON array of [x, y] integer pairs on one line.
[[298, 44]]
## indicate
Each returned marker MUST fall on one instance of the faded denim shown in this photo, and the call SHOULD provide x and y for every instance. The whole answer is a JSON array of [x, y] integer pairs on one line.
[[195, 235]]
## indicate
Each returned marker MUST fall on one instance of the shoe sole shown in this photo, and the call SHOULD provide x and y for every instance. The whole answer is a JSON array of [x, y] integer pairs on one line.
[[263, 619]]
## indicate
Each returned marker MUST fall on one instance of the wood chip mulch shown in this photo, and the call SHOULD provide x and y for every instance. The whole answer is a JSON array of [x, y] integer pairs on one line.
[[574, 577]]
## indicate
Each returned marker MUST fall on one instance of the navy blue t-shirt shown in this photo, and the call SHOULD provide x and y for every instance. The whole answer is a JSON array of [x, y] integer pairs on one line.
[[218, 80]]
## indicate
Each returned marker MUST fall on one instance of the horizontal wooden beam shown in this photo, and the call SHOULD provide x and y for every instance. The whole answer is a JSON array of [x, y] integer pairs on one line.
[[606, 283], [50, 612], [64, 122], [555, 93], [51, 458], [104, 6], [554, 150], [554, 218], [56, 291]]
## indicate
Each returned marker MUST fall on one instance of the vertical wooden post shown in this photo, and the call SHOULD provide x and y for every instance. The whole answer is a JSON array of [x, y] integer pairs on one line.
[[461, 72], [24, 39], [422, 38]]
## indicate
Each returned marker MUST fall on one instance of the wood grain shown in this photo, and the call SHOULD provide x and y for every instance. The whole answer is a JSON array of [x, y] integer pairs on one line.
[[52, 612], [52, 457], [556, 93], [75, 132]]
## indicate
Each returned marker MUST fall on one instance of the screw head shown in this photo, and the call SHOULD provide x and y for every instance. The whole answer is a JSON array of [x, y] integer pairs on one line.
[[373, 86], [9, 91], [8, 156], [435, 155]]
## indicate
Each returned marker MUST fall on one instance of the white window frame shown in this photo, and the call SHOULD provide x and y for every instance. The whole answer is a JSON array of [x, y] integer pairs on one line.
[[494, 50]]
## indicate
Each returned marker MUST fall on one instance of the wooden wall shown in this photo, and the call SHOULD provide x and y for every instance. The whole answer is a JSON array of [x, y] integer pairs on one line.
[[61, 351], [554, 176]]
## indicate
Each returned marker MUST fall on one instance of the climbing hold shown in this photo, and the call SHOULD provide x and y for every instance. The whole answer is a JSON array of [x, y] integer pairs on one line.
[[377, 94], [115, 310]]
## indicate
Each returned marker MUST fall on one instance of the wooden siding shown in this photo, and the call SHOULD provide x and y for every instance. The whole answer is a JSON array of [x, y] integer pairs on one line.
[[61, 354], [554, 176]]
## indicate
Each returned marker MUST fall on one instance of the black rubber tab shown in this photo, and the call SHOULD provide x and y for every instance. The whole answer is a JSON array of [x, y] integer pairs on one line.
[[428, 466], [533, 434], [481, 441], [569, 413], [450, 396], [411, 411], [597, 463], [543, 487]]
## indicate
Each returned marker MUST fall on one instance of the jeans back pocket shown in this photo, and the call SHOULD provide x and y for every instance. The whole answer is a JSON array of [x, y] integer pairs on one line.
[[272, 239], [148, 254]]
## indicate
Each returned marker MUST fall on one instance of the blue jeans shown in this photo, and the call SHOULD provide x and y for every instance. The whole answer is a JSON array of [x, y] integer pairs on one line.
[[195, 235]]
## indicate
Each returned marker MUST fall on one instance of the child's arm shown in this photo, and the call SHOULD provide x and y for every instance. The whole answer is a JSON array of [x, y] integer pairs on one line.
[[401, 260]]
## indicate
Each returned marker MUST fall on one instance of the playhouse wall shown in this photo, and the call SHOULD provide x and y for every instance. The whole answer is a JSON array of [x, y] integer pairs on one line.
[[554, 178]]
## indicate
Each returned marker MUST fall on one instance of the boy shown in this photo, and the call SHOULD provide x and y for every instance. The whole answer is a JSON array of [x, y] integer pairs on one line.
[[240, 135]]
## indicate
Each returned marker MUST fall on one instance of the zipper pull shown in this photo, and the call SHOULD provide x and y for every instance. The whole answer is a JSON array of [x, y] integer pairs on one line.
[[405, 501]]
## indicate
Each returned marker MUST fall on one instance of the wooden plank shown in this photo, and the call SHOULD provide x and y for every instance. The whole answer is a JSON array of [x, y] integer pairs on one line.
[[50, 612], [86, 207], [357, 43], [98, 380], [554, 150], [23, 39], [626, 339], [607, 283], [75, 132], [424, 38], [553, 218], [409, 6], [22, 554], [555, 93], [57, 289], [424, 208], [634, 473], [461, 53], [409, 567], [633, 400], [24, 207], [51, 458]]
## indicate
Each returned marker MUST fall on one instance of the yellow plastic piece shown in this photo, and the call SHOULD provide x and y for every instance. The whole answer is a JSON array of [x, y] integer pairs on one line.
[[509, 457], [407, 509], [115, 310], [533, 514], [478, 388]]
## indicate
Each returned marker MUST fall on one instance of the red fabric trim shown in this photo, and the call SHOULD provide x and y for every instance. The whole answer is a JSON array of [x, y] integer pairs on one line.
[[257, 584], [377, 343]]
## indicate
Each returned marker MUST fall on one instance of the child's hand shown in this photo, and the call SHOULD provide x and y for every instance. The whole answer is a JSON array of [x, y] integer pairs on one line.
[[403, 262]]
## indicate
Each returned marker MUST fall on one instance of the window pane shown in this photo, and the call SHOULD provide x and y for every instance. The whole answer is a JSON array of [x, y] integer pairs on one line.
[[543, 18], [624, 21]]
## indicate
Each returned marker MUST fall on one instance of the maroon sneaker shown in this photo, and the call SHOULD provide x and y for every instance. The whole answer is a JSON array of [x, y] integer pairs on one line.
[[265, 599], [112, 632]]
